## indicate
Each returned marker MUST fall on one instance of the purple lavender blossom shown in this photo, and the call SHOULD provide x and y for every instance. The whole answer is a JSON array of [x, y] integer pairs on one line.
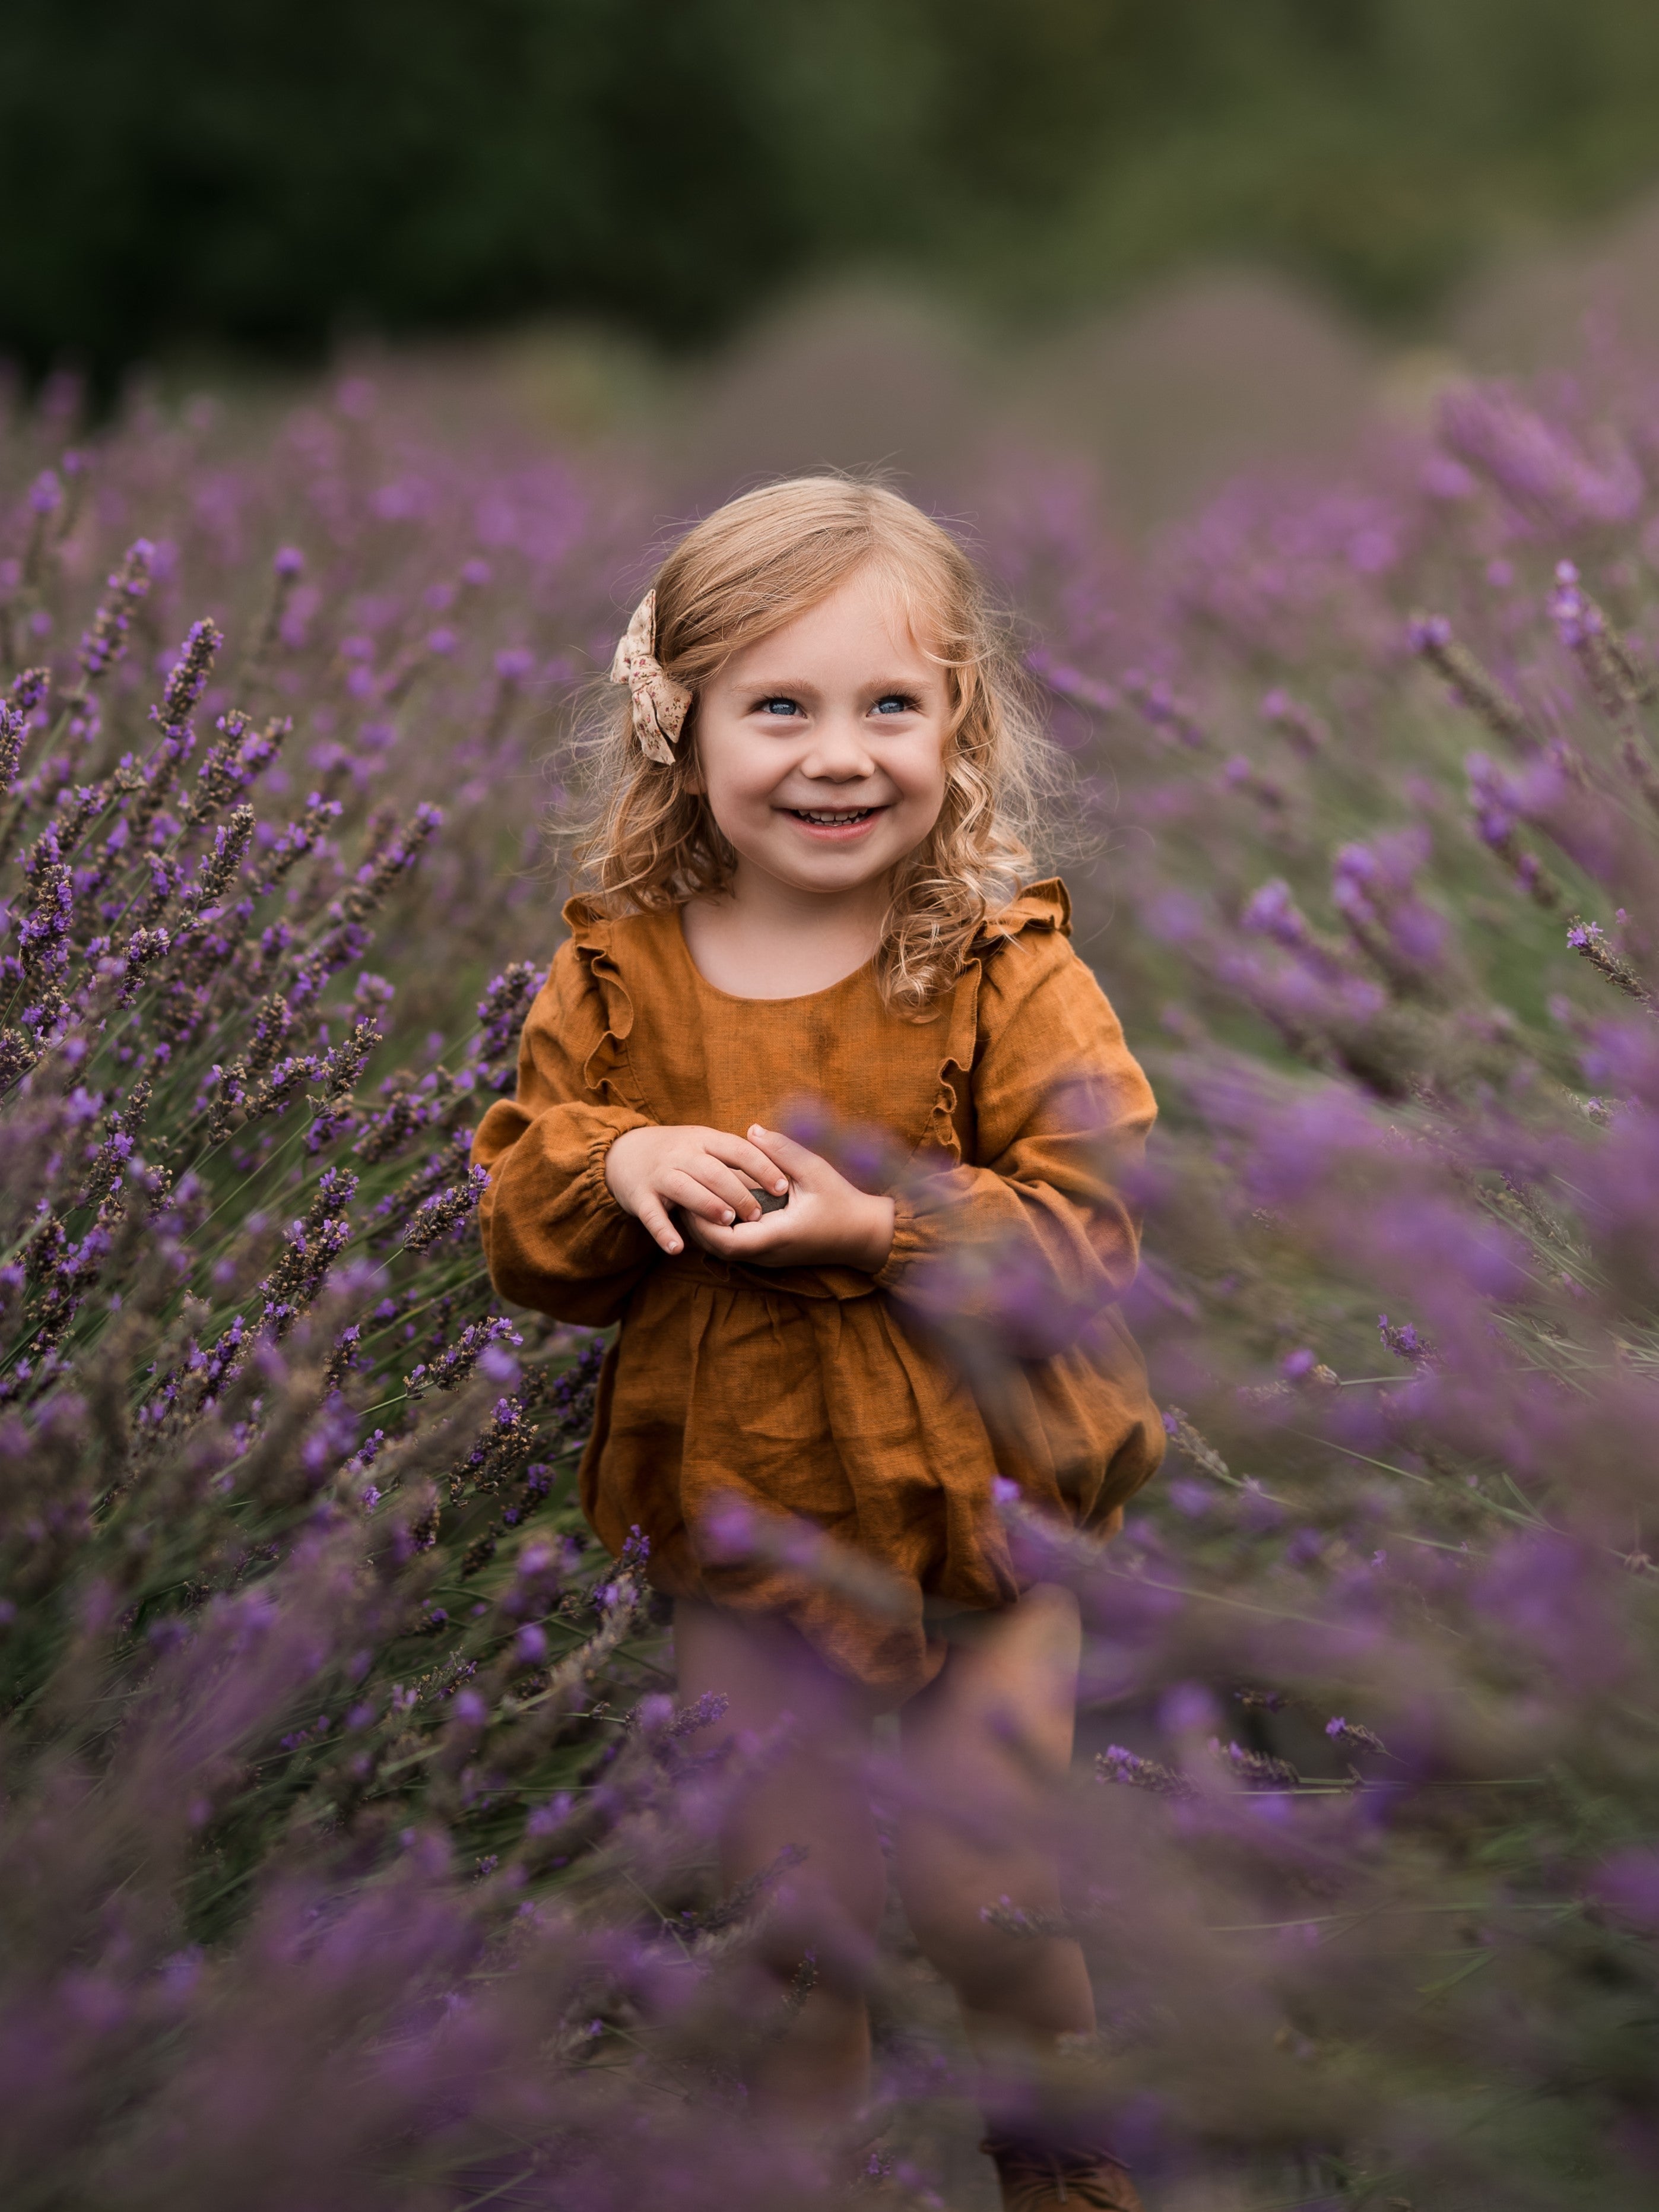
[[105, 641]]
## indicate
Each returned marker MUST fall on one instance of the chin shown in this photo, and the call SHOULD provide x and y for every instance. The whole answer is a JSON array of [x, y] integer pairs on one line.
[[840, 871]]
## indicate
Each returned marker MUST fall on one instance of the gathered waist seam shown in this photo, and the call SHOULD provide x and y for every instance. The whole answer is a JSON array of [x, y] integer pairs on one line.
[[712, 1276]]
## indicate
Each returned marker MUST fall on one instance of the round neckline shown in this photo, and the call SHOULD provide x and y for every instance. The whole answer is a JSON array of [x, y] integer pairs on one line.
[[735, 998]]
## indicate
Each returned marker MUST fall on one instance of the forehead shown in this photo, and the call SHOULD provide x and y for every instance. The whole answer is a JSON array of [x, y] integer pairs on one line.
[[867, 619]]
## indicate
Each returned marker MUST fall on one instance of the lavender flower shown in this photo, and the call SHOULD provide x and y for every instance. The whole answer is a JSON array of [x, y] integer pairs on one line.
[[451, 1368], [1537, 464], [14, 736], [314, 1242], [1353, 1732], [441, 1214], [1431, 636], [106, 641], [1403, 1340], [1590, 940], [1115, 1763], [188, 679]]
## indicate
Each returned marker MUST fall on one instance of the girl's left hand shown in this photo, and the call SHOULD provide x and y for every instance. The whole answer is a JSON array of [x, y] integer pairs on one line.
[[828, 1222]]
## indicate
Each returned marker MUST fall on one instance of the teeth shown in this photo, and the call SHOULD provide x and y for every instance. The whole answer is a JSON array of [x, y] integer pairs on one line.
[[823, 814]]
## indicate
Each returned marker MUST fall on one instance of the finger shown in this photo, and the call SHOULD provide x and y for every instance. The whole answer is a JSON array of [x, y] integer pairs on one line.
[[710, 1236], [754, 1241], [797, 1163], [750, 1161], [653, 1219], [737, 1190], [681, 1187]]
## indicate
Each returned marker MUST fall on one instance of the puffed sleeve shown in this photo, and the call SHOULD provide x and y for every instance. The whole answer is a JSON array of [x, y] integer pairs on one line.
[[1035, 1236], [554, 1236]]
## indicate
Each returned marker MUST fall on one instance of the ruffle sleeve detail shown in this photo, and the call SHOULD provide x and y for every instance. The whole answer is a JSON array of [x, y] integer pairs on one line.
[[1045, 906], [602, 1012], [1035, 1240]]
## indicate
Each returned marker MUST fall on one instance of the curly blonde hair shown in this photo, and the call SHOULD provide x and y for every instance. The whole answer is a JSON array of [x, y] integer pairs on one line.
[[648, 840]]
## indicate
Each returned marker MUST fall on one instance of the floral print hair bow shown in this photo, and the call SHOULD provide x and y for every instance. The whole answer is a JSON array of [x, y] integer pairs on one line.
[[661, 705]]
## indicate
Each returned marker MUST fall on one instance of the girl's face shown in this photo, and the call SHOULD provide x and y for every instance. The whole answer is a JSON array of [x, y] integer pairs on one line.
[[821, 747]]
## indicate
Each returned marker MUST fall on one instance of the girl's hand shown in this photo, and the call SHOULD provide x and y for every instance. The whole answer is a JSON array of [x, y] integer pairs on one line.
[[710, 1176], [828, 1222]]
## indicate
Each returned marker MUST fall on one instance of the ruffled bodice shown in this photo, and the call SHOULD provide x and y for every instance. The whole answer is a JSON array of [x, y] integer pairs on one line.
[[739, 1402]]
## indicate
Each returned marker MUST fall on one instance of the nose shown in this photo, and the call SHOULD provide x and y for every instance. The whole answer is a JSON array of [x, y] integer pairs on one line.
[[837, 752]]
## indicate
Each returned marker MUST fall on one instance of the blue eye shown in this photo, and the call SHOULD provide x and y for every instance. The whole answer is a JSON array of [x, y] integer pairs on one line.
[[896, 703], [781, 704]]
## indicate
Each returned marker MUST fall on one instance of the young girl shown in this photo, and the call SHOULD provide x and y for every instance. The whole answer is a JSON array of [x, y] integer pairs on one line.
[[806, 886]]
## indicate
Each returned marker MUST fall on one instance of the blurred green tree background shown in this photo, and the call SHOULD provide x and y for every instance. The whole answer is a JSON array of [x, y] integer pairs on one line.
[[270, 174]]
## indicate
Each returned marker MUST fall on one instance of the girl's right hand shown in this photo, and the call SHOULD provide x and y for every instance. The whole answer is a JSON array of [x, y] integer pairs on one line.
[[708, 1172]]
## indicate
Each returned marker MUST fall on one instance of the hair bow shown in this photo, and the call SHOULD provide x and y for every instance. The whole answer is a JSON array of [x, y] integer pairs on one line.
[[661, 705]]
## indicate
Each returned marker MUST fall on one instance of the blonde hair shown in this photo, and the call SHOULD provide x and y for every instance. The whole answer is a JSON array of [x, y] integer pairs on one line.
[[649, 840]]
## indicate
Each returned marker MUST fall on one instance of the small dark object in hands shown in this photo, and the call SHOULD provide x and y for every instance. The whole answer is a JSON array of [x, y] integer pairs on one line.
[[769, 1201]]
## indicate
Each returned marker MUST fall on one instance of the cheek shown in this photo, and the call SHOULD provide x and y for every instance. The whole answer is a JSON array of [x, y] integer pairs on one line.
[[748, 785], [922, 779], [730, 774]]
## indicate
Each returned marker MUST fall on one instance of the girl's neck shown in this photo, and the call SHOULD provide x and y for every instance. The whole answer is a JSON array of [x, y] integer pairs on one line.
[[762, 939]]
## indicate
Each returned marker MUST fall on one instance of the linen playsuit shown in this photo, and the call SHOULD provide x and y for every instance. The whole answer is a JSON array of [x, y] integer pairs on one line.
[[875, 1411]]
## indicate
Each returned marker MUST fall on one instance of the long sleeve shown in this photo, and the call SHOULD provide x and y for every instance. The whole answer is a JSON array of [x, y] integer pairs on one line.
[[1028, 1242], [554, 1236]]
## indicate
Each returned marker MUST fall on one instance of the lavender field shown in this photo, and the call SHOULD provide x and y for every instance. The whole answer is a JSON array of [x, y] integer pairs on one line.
[[354, 1852]]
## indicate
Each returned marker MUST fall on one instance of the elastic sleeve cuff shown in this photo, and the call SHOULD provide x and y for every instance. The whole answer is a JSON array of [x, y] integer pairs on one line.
[[599, 1192], [906, 1249]]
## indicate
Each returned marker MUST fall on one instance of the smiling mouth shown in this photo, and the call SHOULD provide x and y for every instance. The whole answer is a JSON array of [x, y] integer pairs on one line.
[[833, 818]]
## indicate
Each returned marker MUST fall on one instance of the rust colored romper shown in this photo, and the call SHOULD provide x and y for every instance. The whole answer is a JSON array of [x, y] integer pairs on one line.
[[824, 1393]]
